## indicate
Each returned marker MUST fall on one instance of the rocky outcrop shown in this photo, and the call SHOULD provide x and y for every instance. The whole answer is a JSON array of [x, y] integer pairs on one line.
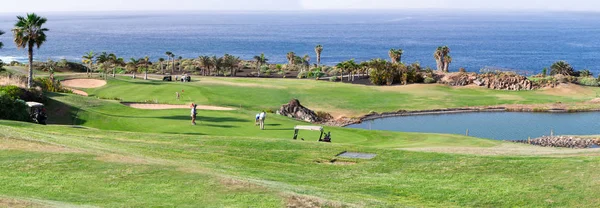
[[497, 81], [561, 141], [295, 110]]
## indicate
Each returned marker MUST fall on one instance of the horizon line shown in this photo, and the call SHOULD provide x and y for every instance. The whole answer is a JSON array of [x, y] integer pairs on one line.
[[472, 10]]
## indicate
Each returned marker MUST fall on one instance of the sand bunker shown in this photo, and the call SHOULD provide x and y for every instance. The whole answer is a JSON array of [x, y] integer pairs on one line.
[[166, 106], [83, 83], [78, 92]]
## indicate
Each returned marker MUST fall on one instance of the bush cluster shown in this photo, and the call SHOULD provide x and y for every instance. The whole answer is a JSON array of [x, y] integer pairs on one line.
[[13, 109], [15, 92], [47, 85]]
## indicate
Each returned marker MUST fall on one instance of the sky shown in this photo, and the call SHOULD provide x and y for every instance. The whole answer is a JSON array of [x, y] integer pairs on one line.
[[15, 6]]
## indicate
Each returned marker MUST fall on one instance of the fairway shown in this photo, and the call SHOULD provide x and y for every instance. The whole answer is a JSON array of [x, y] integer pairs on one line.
[[100, 152], [336, 98]]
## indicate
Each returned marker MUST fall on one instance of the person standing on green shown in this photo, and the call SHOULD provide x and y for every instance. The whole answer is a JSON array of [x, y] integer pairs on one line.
[[261, 119], [194, 113]]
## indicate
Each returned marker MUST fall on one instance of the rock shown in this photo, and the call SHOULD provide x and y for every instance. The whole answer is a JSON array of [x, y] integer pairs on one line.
[[497, 81], [295, 110], [561, 141]]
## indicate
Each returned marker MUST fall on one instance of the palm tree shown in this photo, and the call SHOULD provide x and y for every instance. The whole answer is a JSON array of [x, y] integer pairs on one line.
[[447, 61], [88, 59], [319, 50], [217, 63], [396, 55], [179, 63], [145, 62], [102, 60], [562, 67], [112, 62], [133, 65], [1, 44], [352, 67], [206, 62], [291, 56], [260, 60], [169, 54], [161, 60], [306, 62], [28, 32], [441, 58], [173, 65]]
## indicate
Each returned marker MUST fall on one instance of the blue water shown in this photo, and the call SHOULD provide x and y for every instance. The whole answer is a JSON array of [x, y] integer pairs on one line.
[[522, 41], [493, 125]]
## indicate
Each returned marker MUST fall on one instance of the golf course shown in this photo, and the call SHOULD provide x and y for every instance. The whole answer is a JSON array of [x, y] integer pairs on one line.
[[99, 152]]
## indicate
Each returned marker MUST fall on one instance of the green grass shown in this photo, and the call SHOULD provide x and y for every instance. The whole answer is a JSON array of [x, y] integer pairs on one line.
[[183, 170], [125, 157], [339, 99]]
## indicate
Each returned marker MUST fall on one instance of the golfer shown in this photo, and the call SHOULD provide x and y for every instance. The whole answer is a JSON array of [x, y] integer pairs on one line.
[[261, 120], [194, 113]]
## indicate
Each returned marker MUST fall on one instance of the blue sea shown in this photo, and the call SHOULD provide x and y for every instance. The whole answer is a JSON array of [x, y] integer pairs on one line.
[[510, 40]]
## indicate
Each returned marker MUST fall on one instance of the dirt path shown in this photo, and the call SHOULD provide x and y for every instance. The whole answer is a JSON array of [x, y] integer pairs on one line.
[[83, 83], [509, 149], [166, 106]]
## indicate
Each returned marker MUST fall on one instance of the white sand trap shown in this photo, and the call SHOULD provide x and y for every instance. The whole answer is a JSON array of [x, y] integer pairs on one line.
[[166, 106], [83, 83]]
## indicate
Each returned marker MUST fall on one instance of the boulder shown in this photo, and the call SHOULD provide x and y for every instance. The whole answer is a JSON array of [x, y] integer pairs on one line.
[[295, 110], [497, 81]]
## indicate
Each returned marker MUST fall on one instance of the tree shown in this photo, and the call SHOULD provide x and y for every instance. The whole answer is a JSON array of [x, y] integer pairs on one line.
[[173, 65], [145, 62], [260, 60], [161, 60], [169, 55], [442, 58], [88, 59], [352, 67], [112, 62], [306, 62], [29, 32], [206, 62], [395, 55], [562, 67], [217, 63], [318, 51], [447, 61], [291, 56], [232, 63], [103, 61], [133, 65], [179, 62], [1, 44]]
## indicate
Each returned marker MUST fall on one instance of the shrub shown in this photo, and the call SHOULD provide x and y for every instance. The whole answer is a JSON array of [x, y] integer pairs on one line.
[[429, 80], [48, 86], [462, 70], [15, 63], [588, 81], [585, 73], [302, 75], [323, 116], [13, 109], [16, 92], [333, 79]]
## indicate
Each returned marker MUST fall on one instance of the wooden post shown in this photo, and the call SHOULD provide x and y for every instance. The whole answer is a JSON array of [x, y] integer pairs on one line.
[[467, 132], [529, 140], [551, 132]]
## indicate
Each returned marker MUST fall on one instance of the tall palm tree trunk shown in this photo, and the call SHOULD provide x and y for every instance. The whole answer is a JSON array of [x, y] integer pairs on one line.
[[146, 74], [30, 77]]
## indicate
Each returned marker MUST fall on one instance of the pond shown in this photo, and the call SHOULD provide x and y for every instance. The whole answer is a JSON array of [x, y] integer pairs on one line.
[[492, 125]]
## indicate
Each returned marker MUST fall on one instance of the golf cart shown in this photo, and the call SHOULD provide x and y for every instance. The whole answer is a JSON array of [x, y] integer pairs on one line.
[[37, 112], [313, 128]]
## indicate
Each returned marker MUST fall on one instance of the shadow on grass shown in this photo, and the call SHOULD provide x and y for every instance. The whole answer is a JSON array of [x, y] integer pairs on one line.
[[206, 119], [191, 134], [61, 113]]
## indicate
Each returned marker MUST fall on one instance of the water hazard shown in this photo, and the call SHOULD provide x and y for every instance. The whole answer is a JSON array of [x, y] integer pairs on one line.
[[493, 125]]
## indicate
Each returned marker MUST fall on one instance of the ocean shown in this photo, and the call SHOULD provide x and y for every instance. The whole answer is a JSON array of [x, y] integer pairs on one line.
[[508, 40]]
